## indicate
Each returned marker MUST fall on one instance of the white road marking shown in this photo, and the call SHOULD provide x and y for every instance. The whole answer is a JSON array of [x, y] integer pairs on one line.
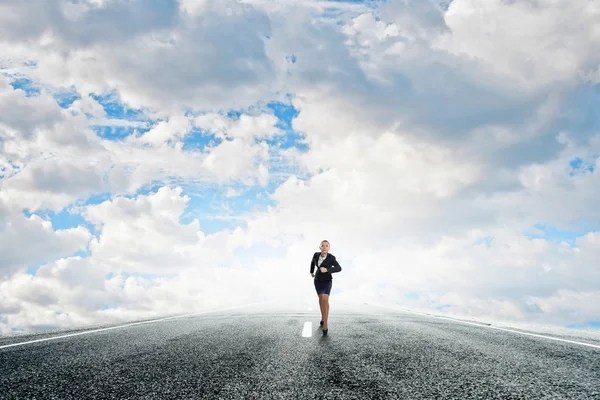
[[494, 327], [126, 325], [307, 330]]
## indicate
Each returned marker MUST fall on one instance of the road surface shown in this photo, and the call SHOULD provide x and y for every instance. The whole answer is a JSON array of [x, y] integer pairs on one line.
[[264, 352]]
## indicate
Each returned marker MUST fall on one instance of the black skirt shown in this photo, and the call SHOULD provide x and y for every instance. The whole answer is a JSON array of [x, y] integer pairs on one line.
[[323, 287]]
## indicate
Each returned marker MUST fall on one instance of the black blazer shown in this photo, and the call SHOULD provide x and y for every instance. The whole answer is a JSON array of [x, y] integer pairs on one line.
[[329, 262]]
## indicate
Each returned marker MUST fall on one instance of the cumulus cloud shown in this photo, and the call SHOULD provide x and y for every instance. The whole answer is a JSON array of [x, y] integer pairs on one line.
[[144, 262], [424, 145], [247, 126], [51, 157], [156, 54], [23, 114], [174, 128], [144, 234], [26, 241], [87, 22], [387, 67], [551, 51]]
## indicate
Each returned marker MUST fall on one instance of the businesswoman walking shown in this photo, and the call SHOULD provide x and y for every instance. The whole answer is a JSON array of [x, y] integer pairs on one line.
[[325, 264]]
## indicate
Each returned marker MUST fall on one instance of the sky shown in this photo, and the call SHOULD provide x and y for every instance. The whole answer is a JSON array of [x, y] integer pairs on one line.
[[161, 157]]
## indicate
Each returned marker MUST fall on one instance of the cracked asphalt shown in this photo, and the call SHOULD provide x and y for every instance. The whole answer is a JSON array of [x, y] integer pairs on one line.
[[263, 352]]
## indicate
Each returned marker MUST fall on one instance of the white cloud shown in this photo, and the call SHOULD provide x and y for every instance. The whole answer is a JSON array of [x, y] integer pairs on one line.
[[25, 114], [194, 7], [52, 158], [87, 105], [406, 214], [52, 184], [430, 134], [212, 59], [233, 158], [247, 126], [144, 234], [171, 262], [26, 241], [175, 128], [551, 49]]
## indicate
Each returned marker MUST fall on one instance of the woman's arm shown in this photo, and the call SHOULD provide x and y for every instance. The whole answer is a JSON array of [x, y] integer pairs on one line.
[[336, 266]]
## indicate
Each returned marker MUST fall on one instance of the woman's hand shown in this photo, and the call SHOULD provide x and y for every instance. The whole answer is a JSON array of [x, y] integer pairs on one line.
[[323, 269], [313, 275]]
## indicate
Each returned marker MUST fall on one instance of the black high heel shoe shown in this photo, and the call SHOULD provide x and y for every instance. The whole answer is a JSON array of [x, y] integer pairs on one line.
[[321, 323], [325, 331]]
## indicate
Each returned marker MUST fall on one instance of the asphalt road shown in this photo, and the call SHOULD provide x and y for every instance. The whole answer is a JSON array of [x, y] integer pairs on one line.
[[262, 352]]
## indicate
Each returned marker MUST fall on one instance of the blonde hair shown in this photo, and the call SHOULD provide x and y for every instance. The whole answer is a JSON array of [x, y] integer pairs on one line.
[[325, 241]]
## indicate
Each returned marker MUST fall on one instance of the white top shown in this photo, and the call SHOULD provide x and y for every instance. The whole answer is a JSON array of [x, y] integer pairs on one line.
[[321, 258]]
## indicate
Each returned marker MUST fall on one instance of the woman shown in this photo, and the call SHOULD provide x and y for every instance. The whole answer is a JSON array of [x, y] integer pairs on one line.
[[326, 264]]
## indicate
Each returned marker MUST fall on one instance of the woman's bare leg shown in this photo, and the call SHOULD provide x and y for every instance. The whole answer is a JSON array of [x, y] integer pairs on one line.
[[325, 311], [322, 306]]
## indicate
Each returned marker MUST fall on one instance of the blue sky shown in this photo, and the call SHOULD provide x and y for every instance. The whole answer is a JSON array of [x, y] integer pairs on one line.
[[26, 85], [589, 325], [554, 234], [206, 206], [581, 166]]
